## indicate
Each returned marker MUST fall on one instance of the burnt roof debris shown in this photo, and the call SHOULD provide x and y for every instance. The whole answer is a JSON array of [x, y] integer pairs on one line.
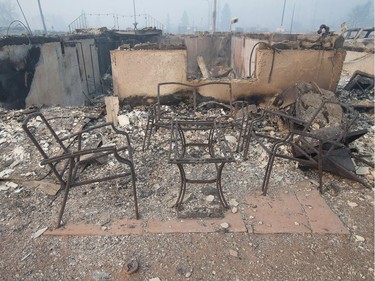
[[155, 46], [361, 81], [141, 36], [26, 40], [359, 91], [359, 39]]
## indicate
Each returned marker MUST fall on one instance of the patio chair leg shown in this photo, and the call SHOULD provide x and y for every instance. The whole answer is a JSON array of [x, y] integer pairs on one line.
[[182, 190], [219, 187], [239, 140], [320, 166], [146, 133], [246, 144], [267, 174], [67, 187], [134, 191]]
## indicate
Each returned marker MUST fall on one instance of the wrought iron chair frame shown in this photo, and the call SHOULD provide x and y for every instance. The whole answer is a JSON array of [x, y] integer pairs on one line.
[[156, 118], [307, 147], [68, 175]]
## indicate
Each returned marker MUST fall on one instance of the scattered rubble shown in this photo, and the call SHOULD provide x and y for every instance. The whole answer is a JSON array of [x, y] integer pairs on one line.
[[359, 238]]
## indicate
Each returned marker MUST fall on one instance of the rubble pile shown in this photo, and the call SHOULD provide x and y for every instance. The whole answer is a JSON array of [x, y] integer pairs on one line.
[[358, 91]]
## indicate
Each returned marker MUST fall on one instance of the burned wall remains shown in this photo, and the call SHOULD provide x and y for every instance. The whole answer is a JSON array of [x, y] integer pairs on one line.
[[215, 51], [17, 69]]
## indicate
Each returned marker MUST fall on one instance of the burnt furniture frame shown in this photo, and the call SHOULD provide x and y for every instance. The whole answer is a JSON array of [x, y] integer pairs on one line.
[[157, 118], [320, 149], [70, 163], [215, 146]]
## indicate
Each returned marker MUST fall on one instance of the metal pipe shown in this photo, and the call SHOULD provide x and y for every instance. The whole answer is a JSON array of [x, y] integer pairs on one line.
[[19, 5], [20, 22]]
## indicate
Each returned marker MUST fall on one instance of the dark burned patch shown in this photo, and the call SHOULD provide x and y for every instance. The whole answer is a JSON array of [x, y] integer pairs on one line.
[[201, 212], [171, 99], [24, 40], [256, 99], [186, 97], [15, 81]]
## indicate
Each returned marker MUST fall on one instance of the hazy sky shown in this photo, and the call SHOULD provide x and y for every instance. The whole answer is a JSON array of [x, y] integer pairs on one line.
[[308, 14]]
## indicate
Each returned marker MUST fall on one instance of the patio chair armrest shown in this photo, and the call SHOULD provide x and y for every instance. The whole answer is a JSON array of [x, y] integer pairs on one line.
[[263, 116], [93, 128], [74, 154], [290, 118]]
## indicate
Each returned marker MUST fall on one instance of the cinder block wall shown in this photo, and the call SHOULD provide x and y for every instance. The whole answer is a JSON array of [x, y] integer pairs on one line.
[[358, 61]]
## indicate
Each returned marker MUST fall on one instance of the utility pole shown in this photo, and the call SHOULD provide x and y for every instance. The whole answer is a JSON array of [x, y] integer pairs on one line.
[[291, 22], [41, 14], [135, 16], [282, 16], [209, 16], [214, 18]]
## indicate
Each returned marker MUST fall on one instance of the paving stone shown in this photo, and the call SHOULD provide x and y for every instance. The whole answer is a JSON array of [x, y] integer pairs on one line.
[[300, 211], [120, 227], [276, 213], [197, 225], [321, 218]]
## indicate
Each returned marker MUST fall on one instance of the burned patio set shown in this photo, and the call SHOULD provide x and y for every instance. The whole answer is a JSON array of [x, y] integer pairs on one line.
[[305, 124]]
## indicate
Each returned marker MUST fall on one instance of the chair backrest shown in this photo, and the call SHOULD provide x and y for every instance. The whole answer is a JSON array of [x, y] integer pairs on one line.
[[194, 90], [45, 139]]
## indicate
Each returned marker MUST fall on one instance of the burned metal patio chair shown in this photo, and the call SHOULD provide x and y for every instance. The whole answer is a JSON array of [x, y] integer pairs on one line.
[[317, 142], [160, 118], [69, 158]]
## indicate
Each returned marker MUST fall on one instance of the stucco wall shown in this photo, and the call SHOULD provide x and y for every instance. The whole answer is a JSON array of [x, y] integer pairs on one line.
[[215, 51], [138, 72], [358, 61], [290, 66], [240, 55], [57, 79]]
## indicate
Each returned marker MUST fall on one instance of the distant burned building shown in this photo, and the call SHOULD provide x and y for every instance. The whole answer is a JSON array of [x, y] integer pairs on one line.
[[64, 70]]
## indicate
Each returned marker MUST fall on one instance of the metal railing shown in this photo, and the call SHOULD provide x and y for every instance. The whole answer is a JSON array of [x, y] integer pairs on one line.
[[114, 21]]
